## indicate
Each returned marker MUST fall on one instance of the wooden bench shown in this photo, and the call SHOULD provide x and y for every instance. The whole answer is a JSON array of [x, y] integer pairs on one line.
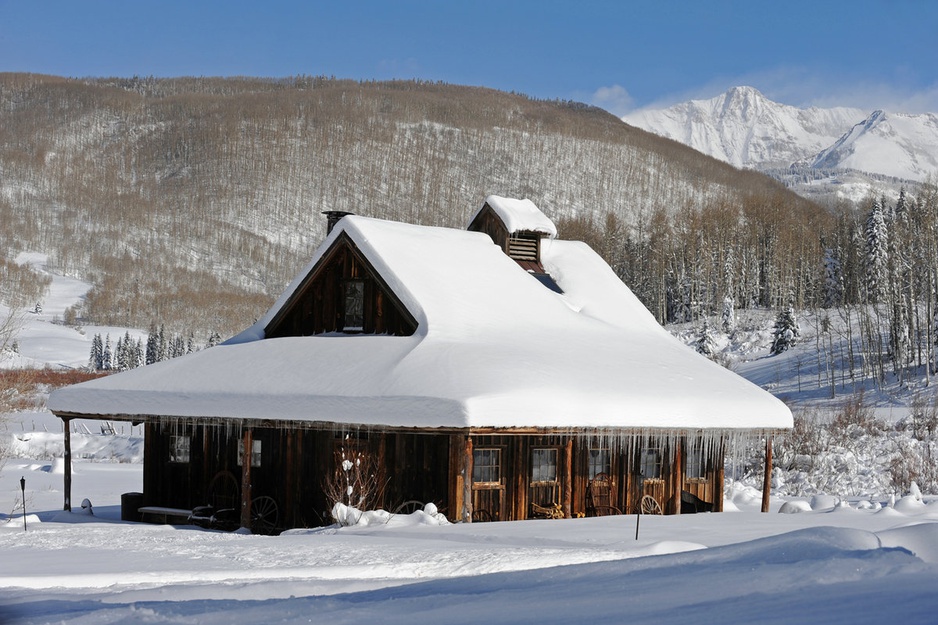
[[159, 514]]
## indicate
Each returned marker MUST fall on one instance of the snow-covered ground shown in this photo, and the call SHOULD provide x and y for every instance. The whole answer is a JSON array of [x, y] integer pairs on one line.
[[834, 560], [42, 339]]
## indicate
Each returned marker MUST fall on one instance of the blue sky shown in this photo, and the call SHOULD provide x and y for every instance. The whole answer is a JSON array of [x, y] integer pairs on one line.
[[619, 55]]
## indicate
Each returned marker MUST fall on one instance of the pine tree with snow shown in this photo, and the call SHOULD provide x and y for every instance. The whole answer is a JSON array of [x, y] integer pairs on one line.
[[106, 355], [161, 345], [213, 339], [96, 358], [153, 347], [877, 254], [728, 316], [833, 279], [705, 343], [786, 331]]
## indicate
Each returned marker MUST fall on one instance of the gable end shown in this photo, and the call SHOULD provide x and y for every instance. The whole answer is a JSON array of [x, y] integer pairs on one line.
[[342, 293]]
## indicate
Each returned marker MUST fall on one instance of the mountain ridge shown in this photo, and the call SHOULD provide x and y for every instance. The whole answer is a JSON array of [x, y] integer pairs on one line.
[[744, 128]]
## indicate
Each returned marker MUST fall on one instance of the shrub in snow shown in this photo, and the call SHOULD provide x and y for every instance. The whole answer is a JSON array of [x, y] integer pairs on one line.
[[356, 483]]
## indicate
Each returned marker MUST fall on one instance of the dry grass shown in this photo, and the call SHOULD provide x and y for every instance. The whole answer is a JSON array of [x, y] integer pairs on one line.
[[25, 389]]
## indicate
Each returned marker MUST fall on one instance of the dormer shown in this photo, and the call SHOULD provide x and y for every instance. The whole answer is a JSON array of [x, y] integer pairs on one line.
[[516, 226], [519, 228]]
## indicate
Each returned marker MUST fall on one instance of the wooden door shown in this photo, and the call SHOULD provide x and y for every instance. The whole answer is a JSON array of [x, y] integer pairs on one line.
[[544, 486], [488, 484]]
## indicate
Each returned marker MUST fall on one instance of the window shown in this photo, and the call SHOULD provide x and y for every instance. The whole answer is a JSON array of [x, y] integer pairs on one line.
[[696, 463], [486, 466], [255, 452], [598, 462], [543, 465], [179, 449], [354, 305], [651, 464]]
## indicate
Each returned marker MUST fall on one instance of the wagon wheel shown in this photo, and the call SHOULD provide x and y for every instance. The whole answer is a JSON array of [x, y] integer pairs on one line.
[[409, 507], [264, 515], [650, 505]]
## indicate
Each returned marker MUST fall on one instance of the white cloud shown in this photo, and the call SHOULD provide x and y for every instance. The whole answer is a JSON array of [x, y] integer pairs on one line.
[[614, 99]]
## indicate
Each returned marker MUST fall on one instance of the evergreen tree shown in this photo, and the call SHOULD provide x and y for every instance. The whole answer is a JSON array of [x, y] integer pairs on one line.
[[153, 347], [96, 359], [728, 316], [786, 331], [833, 280], [705, 344], [213, 339], [877, 254], [106, 355]]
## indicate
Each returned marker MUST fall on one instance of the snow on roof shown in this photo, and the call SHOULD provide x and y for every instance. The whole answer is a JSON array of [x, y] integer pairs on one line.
[[493, 348], [519, 215]]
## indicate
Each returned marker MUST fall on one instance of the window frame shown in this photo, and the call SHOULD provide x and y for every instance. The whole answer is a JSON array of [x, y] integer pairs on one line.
[[477, 453], [350, 317], [536, 468], [180, 448]]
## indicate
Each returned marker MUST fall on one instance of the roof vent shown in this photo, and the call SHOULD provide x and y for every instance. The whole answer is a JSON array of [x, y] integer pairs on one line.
[[332, 218]]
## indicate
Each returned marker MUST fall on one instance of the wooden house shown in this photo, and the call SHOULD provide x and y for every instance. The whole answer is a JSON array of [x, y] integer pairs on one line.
[[500, 382]]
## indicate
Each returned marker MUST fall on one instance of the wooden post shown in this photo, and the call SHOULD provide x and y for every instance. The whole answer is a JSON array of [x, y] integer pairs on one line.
[[767, 480], [247, 439], [67, 423], [720, 477], [677, 476], [568, 480], [467, 482]]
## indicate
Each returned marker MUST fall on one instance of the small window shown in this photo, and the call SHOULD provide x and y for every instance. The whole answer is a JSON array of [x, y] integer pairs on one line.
[[543, 465], [486, 466], [354, 306], [179, 449], [651, 463], [255, 452], [598, 462], [696, 463]]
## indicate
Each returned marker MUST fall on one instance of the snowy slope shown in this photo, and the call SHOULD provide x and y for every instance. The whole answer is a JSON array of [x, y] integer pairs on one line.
[[893, 144], [745, 129]]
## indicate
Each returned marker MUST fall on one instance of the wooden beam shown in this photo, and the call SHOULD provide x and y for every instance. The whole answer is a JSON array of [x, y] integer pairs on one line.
[[720, 477], [467, 482], [568, 479], [677, 476], [767, 479], [67, 424], [247, 439]]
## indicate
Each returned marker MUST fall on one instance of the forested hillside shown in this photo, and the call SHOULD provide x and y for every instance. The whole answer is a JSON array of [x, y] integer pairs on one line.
[[192, 202]]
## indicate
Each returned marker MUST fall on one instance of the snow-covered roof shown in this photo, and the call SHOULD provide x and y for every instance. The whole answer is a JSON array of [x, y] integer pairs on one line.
[[519, 215], [493, 348]]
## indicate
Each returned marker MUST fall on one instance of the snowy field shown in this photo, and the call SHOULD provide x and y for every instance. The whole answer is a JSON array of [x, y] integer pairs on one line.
[[832, 560], [838, 562]]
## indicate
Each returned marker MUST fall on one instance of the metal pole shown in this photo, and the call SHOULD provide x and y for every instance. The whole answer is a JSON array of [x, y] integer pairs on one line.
[[638, 518], [23, 488]]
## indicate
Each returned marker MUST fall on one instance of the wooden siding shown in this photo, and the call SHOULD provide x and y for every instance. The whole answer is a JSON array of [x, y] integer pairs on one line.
[[421, 466], [318, 305]]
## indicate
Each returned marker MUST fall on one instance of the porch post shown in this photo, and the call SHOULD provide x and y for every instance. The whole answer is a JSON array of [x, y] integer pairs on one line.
[[247, 439], [767, 479], [67, 424], [568, 479], [467, 482]]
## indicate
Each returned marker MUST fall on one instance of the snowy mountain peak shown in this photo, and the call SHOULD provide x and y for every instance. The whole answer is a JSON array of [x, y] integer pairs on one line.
[[746, 129], [892, 144]]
